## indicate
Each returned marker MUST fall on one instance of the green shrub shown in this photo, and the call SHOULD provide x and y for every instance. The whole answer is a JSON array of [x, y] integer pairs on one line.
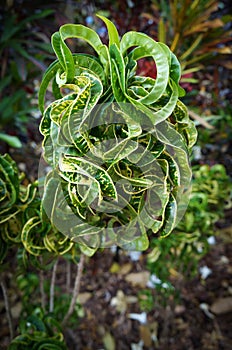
[[111, 135], [211, 195]]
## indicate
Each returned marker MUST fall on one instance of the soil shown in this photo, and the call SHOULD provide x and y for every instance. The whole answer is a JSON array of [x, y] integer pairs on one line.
[[187, 323]]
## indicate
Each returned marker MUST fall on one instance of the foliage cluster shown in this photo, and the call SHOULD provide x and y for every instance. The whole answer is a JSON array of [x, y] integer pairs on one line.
[[108, 125], [39, 331], [180, 253], [37, 245], [21, 217]]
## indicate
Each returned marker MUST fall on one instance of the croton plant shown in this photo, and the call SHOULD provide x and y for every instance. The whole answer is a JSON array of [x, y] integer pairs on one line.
[[21, 221], [117, 144]]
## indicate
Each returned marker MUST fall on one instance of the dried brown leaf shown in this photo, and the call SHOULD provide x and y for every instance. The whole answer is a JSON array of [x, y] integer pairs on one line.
[[138, 278], [145, 334], [222, 306], [84, 297], [204, 26]]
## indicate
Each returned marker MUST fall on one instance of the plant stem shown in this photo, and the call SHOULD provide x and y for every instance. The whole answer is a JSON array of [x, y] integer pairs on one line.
[[52, 286], [41, 287], [68, 276], [8, 311], [76, 289]]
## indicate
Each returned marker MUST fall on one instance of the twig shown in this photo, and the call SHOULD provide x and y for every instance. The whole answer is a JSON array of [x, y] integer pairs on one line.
[[8, 311], [168, 318], [68, 276], [52, 286], [41, 287], [76, 289], [200, 120]]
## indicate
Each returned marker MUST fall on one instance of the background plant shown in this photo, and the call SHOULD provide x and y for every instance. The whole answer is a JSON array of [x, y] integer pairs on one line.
[[181, 252], [37, 247], [39, 331], [25, 52], [196, 31]]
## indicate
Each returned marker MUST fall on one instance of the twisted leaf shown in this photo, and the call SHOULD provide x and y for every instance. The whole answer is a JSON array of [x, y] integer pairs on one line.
[[118, 143]]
